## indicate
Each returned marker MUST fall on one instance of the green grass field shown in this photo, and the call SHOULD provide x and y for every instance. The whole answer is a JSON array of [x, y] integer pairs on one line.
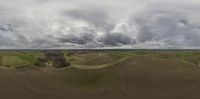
[[16, 59], [95, 59]]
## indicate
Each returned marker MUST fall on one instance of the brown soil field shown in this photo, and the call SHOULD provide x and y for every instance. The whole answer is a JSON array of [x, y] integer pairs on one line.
[[135, 78], [30, 84]]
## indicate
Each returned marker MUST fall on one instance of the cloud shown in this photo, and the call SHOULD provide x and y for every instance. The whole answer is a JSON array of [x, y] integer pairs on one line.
[[174, 28], [5, 28], [82, 38], [115, 39], [97, 19], [98, 24]]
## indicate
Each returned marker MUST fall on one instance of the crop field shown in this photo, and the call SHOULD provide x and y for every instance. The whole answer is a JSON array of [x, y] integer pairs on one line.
[[139, 74]]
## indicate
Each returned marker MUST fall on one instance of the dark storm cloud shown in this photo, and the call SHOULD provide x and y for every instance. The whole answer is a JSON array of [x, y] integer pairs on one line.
[[45, 43], [6, 42], [115, 39], [5, 27], [82, 38]]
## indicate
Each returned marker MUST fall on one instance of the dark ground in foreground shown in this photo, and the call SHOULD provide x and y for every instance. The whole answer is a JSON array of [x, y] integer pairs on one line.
[[151, 75]]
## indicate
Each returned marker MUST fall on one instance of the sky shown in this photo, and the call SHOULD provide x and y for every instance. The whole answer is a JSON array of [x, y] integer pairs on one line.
[[71, 24]]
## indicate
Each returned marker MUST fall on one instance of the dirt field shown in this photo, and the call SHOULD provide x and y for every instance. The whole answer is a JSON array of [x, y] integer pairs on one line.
[[30, 84], [138, 77], [118, 82]]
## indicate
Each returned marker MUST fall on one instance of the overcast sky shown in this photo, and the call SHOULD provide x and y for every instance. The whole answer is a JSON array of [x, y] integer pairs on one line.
[[99, 24]]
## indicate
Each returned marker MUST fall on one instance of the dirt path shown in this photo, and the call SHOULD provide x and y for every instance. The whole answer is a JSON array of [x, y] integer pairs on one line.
[[99, 66]]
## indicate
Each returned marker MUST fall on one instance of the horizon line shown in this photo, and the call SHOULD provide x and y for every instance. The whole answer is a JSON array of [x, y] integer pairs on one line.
[[99, 49]]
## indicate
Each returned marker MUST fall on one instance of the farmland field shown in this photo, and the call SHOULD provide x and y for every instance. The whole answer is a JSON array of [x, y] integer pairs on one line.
[[100, 75]]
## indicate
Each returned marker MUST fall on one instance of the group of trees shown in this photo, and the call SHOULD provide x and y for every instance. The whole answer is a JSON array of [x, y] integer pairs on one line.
[[55, 59]]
